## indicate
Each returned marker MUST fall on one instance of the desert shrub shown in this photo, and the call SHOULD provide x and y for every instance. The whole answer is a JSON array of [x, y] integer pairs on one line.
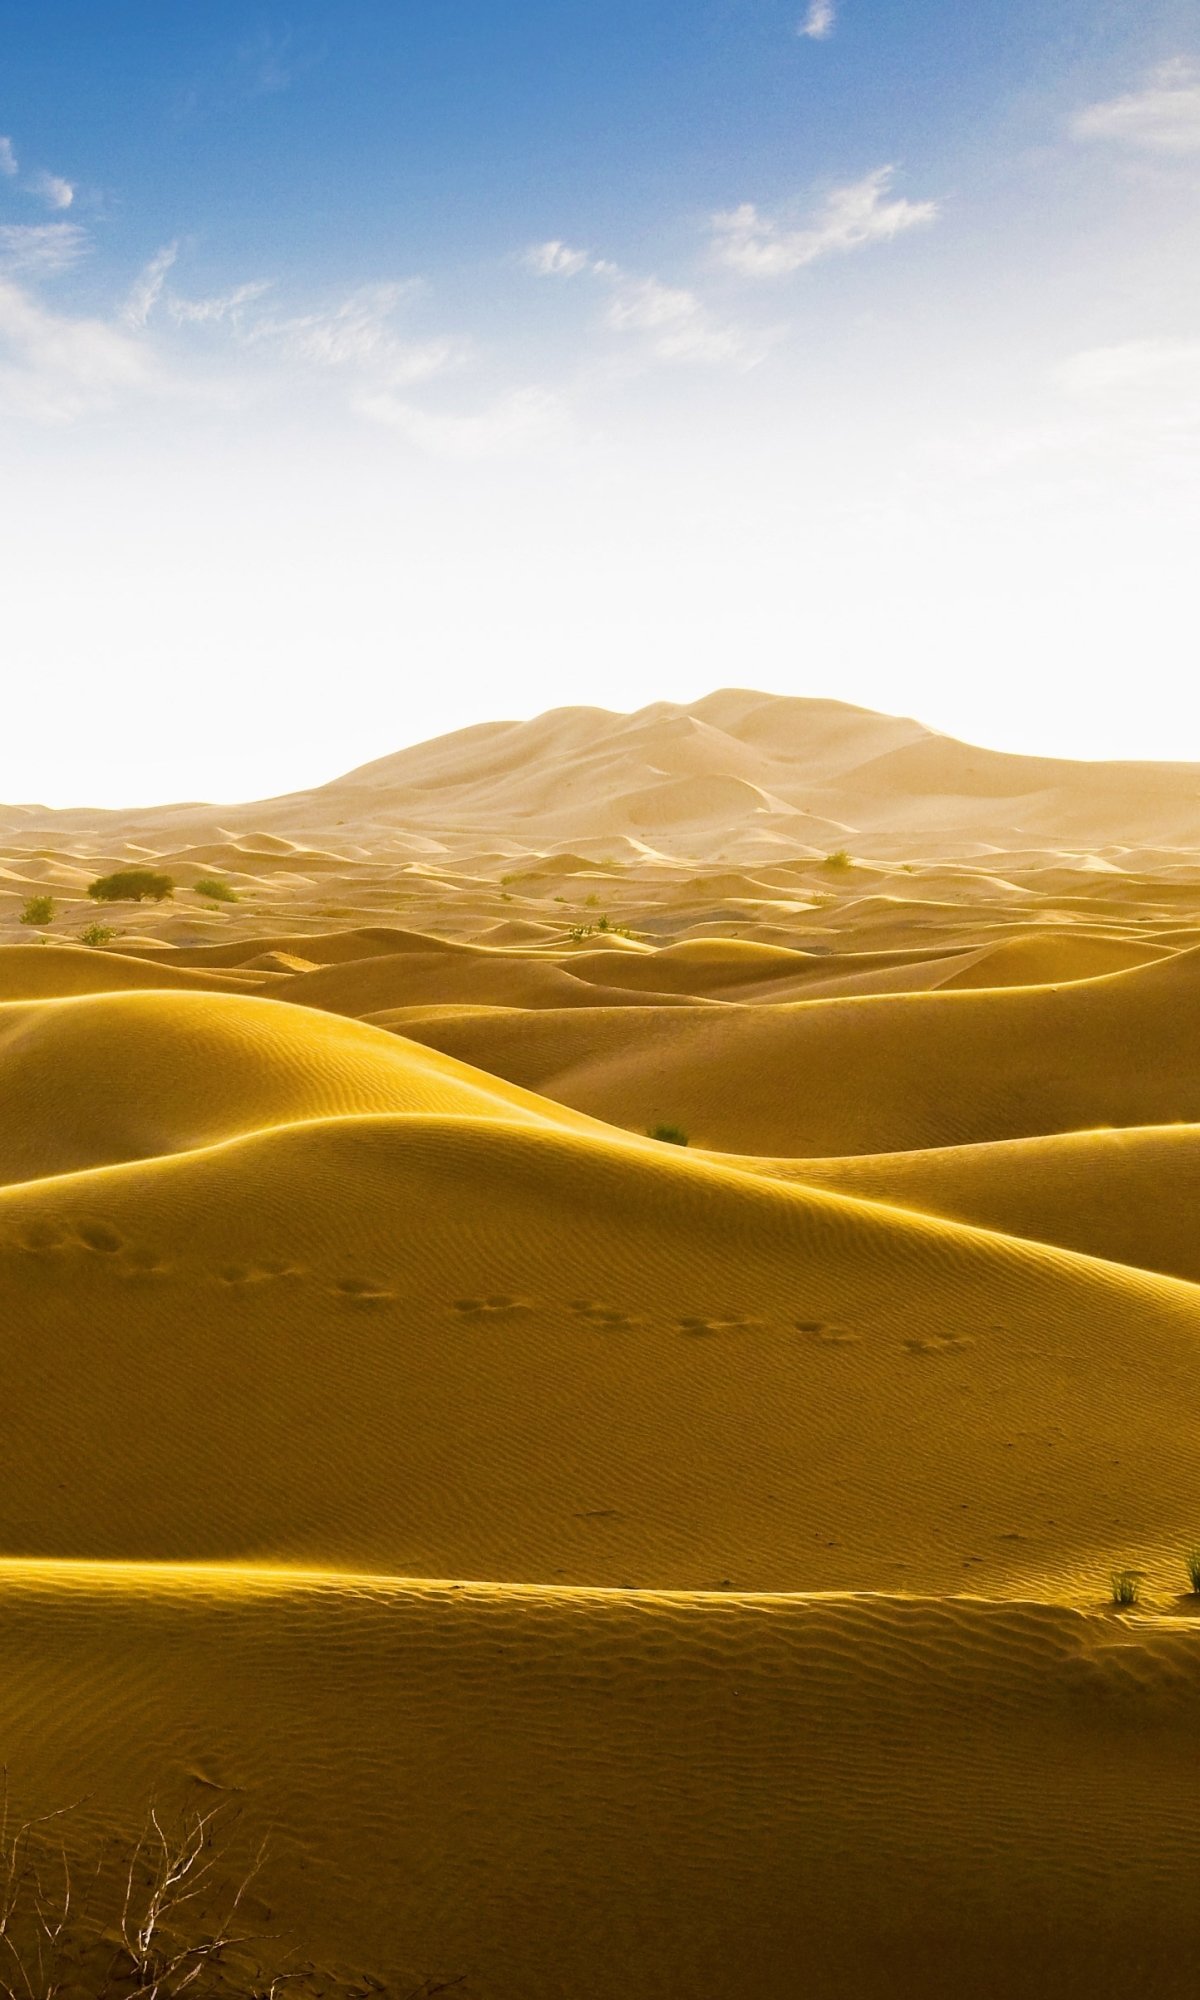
[[38, 910], [591, 902], [131, 885], [95, 934], [161, 1916], [838, 861], [671, 1135], [216, 891], [1192, 1565], [1126, 1586]]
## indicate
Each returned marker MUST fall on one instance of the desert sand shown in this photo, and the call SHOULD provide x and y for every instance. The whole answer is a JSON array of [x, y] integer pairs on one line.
[[608, 1566]]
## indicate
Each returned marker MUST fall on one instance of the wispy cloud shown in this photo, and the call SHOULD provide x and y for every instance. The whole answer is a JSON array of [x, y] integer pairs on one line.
[[8, 157], [220, 306], [555, 260], [1154, 363], [268, 64], [52, 188], [1162, 117], [359, 333], [42, 249], [673, 322], [54, 368], [862, 212], [523, 420], [677, 325], [147, 287], [818, 23]]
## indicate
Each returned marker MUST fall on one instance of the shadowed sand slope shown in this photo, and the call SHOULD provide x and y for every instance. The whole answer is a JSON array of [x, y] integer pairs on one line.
[[543, 1793]]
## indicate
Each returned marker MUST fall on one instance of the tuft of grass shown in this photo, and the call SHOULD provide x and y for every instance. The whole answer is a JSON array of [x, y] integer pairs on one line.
[[38, 910], [216, 891], [95, 934], [1126, 1586], [1192, 1565], [838, 861], [671, 1135]]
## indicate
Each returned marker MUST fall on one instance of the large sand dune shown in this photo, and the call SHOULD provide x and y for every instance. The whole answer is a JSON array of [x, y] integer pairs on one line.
[[612, 1566]]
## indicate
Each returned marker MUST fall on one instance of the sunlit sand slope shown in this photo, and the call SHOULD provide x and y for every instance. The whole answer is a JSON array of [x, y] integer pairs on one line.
[[543, 1794], [469, 1346], [88, 1082], [868, 1075], [1132, 1196]]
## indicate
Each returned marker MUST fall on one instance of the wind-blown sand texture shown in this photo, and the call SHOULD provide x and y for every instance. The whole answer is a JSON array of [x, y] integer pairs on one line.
[[618, 1568]]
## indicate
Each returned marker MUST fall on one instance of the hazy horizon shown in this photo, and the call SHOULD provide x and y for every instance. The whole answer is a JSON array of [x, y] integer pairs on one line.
[[369, 373]]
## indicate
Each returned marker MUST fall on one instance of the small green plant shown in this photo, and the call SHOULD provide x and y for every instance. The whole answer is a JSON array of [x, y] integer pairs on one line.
[[216, 891], [506, 879], [1126, 1586], [38, 910], [671, 1135], [95, 934], [1192, 1565], [838, 861], [131, 885], [591, 902], [602, 923]]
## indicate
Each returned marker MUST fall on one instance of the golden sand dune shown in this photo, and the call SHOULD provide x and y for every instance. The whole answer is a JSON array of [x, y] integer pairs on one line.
[[889, 1073], [111, 1077], [620, 1567], [629, 1336], [1130, 1196]]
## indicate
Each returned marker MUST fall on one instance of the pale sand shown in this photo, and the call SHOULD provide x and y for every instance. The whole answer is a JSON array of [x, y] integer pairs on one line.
[[615, 1568]]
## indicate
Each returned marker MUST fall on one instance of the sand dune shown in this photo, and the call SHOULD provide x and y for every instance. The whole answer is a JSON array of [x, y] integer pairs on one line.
[[887, 1073], [614, 1566]]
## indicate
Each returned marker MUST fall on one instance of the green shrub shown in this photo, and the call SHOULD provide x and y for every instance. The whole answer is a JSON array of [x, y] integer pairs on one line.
[[1126, 1586], [671, 1135], [838, 861], [1192, 1565], [38, 910], [97, 934], [216, 891], [131, 885]]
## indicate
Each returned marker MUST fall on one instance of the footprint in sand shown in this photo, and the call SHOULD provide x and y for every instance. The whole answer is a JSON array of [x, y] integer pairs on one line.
[[829, 1333], [716, 1323], [41, 1239], [602, 1315], [499, 1303], [101, 1237], [363, 1292], [938, 1343]]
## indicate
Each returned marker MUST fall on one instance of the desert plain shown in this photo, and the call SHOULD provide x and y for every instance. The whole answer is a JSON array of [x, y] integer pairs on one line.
[[584, 1341]]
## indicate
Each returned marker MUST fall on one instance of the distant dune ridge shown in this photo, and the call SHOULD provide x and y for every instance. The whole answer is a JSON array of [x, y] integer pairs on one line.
[[620, 1564]]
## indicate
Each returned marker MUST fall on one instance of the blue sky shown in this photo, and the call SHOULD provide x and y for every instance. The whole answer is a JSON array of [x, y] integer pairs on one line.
[[367, 369]]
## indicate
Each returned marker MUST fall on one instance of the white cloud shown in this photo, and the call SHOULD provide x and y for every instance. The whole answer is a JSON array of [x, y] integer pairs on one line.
[[1162, 367], [53, 189], [819, 20], [359, 334], [555, 260], [1163, 117], [41, 249], [54, 368], [8, 158], [677, 325], [525, 419], [146, 289], [224, 305], [859, 213], [673, 322]]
